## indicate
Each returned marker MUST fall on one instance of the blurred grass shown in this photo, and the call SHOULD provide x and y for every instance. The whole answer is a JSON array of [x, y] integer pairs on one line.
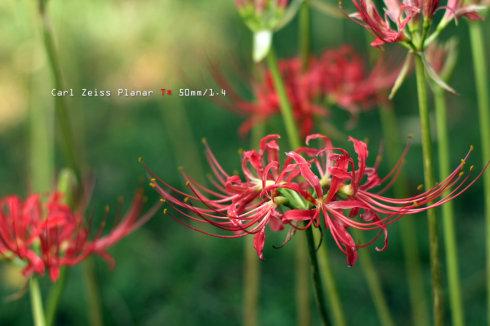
[[165, 273]]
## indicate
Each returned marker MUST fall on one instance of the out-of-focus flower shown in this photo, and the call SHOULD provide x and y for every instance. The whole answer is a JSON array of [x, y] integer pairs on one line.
[[48, 236], [314, 187], [262, 14], [338, 75], [263, 17]]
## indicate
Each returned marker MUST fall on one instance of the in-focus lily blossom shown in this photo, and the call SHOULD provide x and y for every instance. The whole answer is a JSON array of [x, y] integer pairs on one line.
[[321, 187], [45, 236], [339, 76]]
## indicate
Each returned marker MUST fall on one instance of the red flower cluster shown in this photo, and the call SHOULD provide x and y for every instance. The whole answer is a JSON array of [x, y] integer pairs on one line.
[[338, 76], [391, 26], [48, 236], [313, 187]]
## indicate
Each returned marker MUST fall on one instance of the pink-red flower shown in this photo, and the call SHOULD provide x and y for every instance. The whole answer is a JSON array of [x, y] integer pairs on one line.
[[46, 236], [338, 75], [321, 187], [392, 25]]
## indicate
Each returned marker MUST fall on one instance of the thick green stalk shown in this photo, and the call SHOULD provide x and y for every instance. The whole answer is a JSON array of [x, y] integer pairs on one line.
[[448, 212], [251, 267], [413, 268], [36, 302], [435, 259], [482, 88]]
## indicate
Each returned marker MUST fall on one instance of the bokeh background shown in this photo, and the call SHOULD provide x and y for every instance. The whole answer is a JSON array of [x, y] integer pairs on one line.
[[166, 274]]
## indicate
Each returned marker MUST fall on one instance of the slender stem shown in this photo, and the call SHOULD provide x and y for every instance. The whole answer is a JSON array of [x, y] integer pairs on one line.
[[36, 302], [375, 287], [92, 295], [303, 292], [317, 280], [435, 260], [181, 136], [305, 34], [251, 267], [335, 304], [54, 297], [407, 227], [482, 88], [302, 297], [69, 149], [66, 185], [448, 212], [286, 110]]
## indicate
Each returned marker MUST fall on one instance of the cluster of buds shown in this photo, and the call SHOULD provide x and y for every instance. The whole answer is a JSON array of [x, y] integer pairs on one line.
[[339, 76], [321, 187], [45, 236]]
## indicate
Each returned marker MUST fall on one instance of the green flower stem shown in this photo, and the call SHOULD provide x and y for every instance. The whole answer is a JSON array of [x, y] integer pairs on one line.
[[251, 267], [302, 295], [54, 297], [286, 110], [36, 302], [374, 284], [407, 227], [317, 280], [448, 211], [181, 136], [336, 308], [305, 33], [69, 149], [92, 295], [325, 269], [293, 137], [66, 185], [435, 260], [481, 80]]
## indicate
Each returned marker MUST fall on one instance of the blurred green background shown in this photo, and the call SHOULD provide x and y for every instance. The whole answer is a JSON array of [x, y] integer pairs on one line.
[[166, 274]]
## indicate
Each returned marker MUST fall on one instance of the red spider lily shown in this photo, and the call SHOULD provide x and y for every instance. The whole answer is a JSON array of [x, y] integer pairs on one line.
[[48, 236], [344, 80], [458, 8], [313, 188], [238, 206], [391, 26], [339, 75], [351, 194]]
